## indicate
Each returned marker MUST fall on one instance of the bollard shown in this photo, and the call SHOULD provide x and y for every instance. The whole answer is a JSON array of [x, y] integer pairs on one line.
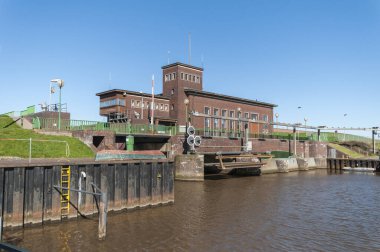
[[102, 229]]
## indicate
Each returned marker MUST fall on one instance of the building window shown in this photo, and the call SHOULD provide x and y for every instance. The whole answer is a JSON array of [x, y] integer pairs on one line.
[[132, 103], [246, 115], [182, 76], [113, 102], [156, 107], [198, 80], [186, 76], [166, 107], [138, 104], [232, 123], [223, 121], [265, 118], [255, 116], [172, 107], [161, 107], [166, 77], [147, 105], [173, 76], [172, 92], [216, 120], [193, 78], [207, 121]]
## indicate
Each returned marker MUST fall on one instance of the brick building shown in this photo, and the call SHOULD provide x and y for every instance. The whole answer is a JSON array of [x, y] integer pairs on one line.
[[212, 114]]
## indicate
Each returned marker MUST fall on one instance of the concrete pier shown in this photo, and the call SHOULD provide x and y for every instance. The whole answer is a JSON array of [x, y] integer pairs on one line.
[[292, 164], [189, 167]]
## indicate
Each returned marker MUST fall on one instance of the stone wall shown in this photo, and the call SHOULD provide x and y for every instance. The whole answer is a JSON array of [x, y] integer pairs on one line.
[[209, 145]]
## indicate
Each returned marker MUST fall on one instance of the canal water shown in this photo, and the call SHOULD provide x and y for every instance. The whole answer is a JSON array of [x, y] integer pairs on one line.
[[299, 211]]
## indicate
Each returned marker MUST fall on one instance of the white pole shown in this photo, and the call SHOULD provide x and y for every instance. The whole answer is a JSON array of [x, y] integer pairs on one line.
[[30, 150], [142, 106], [152, 119]]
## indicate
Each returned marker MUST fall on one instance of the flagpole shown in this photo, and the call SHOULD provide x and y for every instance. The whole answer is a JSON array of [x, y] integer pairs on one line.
[[152, 118]]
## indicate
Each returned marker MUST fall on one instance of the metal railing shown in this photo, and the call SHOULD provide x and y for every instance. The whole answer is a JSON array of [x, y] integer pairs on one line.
[[28, 111], [120, 128], [31, 143]]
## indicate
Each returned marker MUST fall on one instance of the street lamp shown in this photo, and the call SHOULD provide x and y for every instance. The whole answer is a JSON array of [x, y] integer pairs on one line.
[[344, 131], [60, 84], [142, 106], [277, 115], [186, 102], [305, 119]]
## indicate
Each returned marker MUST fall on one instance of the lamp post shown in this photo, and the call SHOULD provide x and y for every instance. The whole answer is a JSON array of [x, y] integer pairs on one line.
[[344, 131], [186, 102], [60, 84], [305, 119], [142, 106], [277, 115]]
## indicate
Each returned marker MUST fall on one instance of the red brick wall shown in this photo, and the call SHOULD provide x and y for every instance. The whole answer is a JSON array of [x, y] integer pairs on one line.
[[177, 99], [198, 104]]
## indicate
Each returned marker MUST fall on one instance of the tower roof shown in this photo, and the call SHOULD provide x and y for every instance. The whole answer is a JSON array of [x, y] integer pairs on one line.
[[183, 65]]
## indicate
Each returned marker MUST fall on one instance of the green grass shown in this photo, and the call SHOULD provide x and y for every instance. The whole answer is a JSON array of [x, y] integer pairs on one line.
[[8, 129], [346, 151]]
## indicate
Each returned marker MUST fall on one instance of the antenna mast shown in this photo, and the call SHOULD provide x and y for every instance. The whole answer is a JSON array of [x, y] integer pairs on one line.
[[189, 48]]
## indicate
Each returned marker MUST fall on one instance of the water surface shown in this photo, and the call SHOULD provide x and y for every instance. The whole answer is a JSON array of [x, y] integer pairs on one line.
[[299, 211]]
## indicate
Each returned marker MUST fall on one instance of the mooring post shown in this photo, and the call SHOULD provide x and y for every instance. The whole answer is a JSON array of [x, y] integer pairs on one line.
[[102, 229]]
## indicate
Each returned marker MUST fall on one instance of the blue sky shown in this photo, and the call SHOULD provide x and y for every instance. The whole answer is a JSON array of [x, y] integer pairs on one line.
[[321, 55]]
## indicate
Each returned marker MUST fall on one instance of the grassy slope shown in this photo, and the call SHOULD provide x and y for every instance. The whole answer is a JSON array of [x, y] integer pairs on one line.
[[39, 149], [346, 151]]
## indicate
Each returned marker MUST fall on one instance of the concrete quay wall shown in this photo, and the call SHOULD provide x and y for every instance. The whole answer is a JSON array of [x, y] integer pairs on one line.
[[276, 165], [29, 197]]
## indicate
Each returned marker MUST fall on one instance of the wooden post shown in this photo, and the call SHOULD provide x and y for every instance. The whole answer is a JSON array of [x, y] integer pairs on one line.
[[103, 216]]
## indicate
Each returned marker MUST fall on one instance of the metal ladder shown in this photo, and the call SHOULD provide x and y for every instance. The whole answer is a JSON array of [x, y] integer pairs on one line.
[[65, 195]]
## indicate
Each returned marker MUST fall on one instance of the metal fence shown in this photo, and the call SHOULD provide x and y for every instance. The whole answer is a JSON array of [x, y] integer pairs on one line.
[[120, 128], [30, 143], [28, 111]]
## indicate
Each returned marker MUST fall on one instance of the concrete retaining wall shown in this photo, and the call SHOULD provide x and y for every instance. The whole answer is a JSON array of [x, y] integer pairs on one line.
[[189, 167], [292, 164]]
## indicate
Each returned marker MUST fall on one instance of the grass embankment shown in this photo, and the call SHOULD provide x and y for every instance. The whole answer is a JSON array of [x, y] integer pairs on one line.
[[346, 151], [17, 148]]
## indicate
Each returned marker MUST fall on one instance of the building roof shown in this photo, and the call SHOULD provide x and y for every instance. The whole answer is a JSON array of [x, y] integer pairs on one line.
[[182, 64], [228, 98], [122, 91]]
